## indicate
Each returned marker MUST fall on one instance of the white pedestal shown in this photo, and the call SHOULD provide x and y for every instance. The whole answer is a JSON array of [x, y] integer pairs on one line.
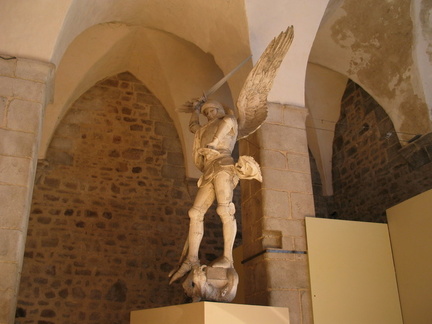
[[211, 313]]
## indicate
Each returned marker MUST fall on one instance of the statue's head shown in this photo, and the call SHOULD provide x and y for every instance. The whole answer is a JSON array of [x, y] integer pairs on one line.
[[212, 109]]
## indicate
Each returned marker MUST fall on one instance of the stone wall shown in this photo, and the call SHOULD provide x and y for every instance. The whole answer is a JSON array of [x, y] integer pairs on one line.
[[274, 245], [25, 88], [372, 171], [109, 213]]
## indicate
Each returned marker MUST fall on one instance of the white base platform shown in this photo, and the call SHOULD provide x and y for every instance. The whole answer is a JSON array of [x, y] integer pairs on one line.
[[211, 313]]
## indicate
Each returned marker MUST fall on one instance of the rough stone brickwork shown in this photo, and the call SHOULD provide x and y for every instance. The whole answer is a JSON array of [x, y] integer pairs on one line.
[[24, 92], [372, 171], [274, 212], [109, 213]]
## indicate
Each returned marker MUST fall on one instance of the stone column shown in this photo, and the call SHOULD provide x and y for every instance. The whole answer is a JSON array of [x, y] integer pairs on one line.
[[274, 236], [25, 86]]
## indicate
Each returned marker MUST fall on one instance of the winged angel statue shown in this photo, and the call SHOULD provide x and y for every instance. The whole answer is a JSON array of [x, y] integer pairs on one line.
[[212, 149]]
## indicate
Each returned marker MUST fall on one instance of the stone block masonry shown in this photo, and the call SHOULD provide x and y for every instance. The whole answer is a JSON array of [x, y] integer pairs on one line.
[[275, 265], [25, 88], [109, 213]]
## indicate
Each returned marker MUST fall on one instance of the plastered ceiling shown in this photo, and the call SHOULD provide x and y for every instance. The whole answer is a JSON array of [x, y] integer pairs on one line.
[[180, 48]]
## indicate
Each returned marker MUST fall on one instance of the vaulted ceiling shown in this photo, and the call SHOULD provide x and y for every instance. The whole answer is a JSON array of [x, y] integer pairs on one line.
[[180, 48]]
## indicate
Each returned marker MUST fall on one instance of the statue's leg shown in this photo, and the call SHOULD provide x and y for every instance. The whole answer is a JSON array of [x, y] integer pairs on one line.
[[203, 200], [224, 185]]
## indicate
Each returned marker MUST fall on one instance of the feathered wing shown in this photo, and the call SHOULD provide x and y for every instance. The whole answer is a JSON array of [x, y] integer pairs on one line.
[[252, 101]]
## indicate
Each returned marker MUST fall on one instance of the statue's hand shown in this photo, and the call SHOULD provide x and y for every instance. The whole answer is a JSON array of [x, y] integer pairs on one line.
[[197, 104], [193, 105]]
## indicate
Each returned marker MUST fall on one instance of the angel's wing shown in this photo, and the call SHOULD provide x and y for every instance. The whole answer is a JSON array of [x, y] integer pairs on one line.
[[252, 101]]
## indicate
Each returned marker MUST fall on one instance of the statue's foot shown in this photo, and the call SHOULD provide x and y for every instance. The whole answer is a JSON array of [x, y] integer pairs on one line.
[[223, 262], [185, 267]]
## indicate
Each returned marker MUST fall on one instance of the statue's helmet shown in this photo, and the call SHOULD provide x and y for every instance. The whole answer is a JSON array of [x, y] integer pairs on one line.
[[213, 104]]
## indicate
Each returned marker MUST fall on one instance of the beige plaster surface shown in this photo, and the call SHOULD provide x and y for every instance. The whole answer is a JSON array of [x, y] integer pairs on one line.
[[410, 224], [351, 271], [36, 38], [211, 313], [266, 21], [381, 63], [324, 90], [421, 11]]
